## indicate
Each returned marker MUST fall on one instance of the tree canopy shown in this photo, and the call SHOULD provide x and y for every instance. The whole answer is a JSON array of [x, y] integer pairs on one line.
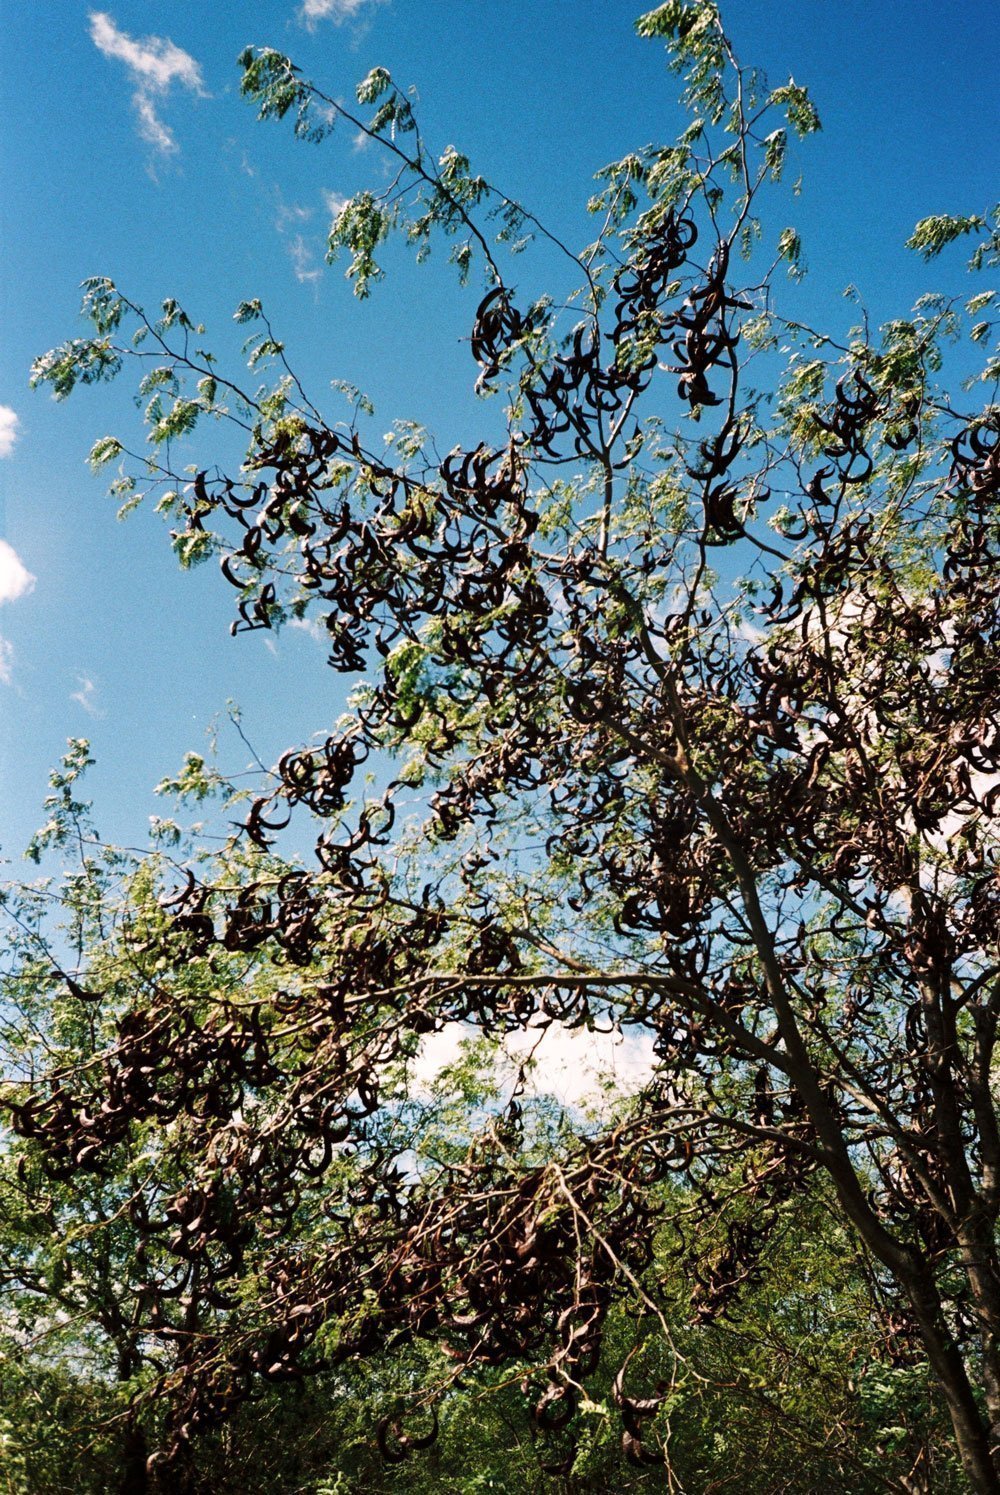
[[673, 711]]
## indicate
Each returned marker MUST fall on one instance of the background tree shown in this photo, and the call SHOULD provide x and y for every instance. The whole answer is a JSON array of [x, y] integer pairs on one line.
[[678, 704]]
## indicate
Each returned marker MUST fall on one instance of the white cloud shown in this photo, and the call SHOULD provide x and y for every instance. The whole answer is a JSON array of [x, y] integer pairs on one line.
[[337, 11], [575, 1067], [8, 430], [334, 203], [156, 64], [314, 629], [301, 250], [152, 128], [303, 259], [86, 696], [156, 60], [290, 213], [15, 578], [15, 581]]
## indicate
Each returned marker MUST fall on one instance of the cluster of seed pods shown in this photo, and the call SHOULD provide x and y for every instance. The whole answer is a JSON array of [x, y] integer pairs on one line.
[[275, 1102]]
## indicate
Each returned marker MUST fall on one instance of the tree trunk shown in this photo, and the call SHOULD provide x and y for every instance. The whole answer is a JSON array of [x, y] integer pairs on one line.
[[135, 1475], [971, 1434]]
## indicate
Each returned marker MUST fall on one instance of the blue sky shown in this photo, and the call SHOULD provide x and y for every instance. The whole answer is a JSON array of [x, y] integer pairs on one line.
[[126, 151]]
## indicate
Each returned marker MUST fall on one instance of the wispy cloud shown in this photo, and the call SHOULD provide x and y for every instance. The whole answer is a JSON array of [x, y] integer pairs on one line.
[[6, 661], [334, 202], [337, 11], [302, 248], [290, 213], [8, 430], [15, 578], [155, 64], [314, 629], [86, 696], [151, 126], [304, 261]]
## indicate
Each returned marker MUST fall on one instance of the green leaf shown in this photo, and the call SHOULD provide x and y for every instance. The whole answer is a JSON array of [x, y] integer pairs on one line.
[[775, 147], [373, 86], [81, 361], [103, 451], [790, 249], [361, 226], [932, 235], [799, 108], [248, 311]]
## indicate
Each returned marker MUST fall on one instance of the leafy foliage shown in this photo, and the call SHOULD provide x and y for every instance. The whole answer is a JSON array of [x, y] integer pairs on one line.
[[673, 712]]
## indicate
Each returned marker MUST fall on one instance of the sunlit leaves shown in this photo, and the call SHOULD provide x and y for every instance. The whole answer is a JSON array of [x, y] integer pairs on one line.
[[80, 361], [790, 250], [168, 423], [192, 547], [197, 781], [102, 304], [360, 227], [798, 107], [775, 147], [932, 235], [373, 86], [601, 749], [800, 394], [64, 809], [104, 451], [619, 198], [692, 28], [247, 311], [273, 83]]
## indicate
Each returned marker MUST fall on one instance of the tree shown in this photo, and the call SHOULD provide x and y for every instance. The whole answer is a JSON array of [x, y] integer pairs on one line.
[[695, 687], [790, 1388]]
